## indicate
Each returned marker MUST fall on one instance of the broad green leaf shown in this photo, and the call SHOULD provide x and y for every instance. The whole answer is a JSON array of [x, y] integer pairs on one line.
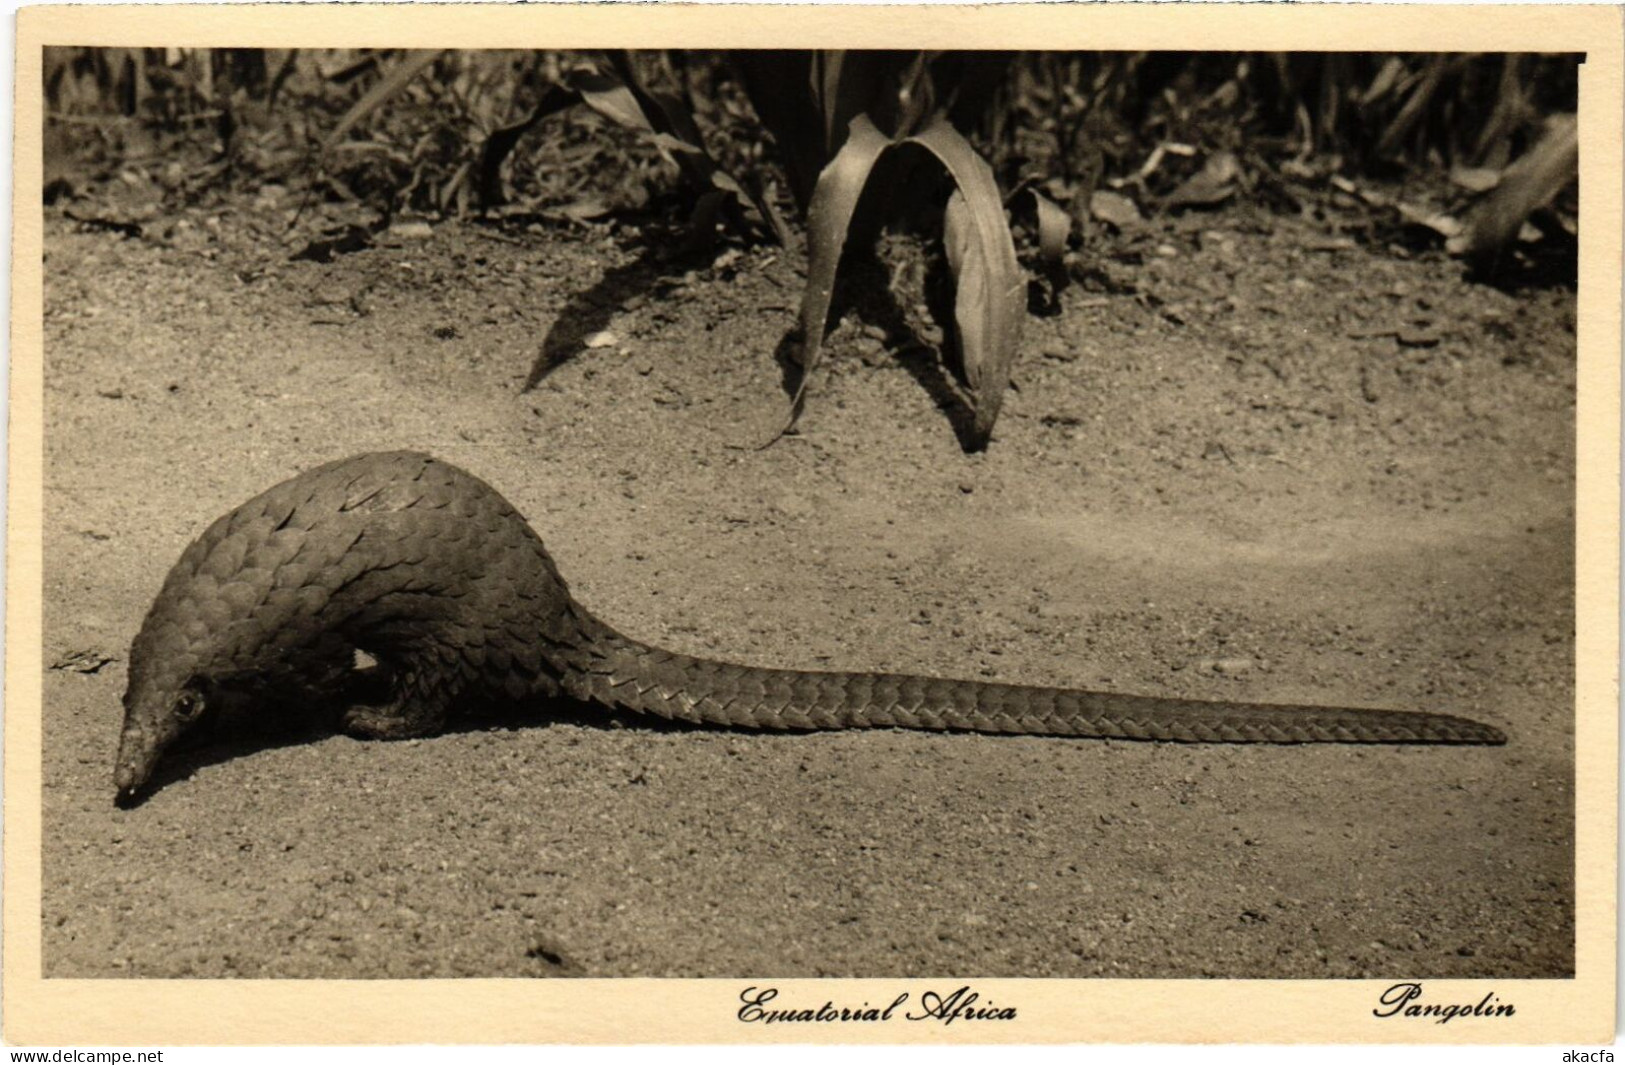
[[990, 291], [393, 81]]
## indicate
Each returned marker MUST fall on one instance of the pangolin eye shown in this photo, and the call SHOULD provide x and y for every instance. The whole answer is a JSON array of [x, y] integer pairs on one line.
[[189, 705]]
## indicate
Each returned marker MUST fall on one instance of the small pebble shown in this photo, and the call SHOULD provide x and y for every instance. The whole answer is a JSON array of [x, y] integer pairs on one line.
[[1230, 667]]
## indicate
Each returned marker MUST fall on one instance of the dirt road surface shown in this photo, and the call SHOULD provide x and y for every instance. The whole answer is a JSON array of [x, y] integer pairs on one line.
[[1254, 470]]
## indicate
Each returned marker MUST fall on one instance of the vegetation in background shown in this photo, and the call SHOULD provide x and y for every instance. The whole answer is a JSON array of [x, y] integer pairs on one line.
[[1052, 159]]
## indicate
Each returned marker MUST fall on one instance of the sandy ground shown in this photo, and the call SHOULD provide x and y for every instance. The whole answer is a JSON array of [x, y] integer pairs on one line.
[[1223, 476]]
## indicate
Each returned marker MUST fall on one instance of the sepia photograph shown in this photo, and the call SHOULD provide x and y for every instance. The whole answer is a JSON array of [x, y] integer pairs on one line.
[[933, 517]]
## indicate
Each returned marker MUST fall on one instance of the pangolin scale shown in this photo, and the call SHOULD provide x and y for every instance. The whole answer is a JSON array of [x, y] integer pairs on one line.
[[426, 569]]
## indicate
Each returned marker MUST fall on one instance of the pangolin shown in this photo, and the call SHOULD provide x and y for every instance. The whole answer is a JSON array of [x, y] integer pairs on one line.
[[428, 572]]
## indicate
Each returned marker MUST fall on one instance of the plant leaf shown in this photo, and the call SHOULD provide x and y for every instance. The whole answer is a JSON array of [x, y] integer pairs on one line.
[[990, 290], [660, 116], [665, 123], [1475, 178], [1527, 185], [825, 81], [763, 199], [619, 103], [846, 86], [675, 117], [612, 99], [783, 93], [501, 142], [1114, 209], [1392, 70], [1414, 107], [1054, 226], [1214, 183], [393, 81], [828, 217]]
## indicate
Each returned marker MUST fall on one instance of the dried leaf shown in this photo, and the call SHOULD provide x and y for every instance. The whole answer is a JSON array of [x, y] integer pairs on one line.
[[1054, 226], [1475, 178], [1414, 107], [1053, 223], [82, 662], [1385, 81], [585, 209], [1214, 183], [1441, 223], [1114, 209]]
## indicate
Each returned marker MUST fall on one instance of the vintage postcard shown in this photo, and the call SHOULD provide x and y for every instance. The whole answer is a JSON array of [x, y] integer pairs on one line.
[[1019, 524]]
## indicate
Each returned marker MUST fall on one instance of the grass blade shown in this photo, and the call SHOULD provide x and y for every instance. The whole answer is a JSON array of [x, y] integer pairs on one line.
[[1414, 109], [393, 81]]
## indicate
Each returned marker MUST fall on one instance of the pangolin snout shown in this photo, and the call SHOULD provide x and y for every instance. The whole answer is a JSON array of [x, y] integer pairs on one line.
[[137, 754]]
